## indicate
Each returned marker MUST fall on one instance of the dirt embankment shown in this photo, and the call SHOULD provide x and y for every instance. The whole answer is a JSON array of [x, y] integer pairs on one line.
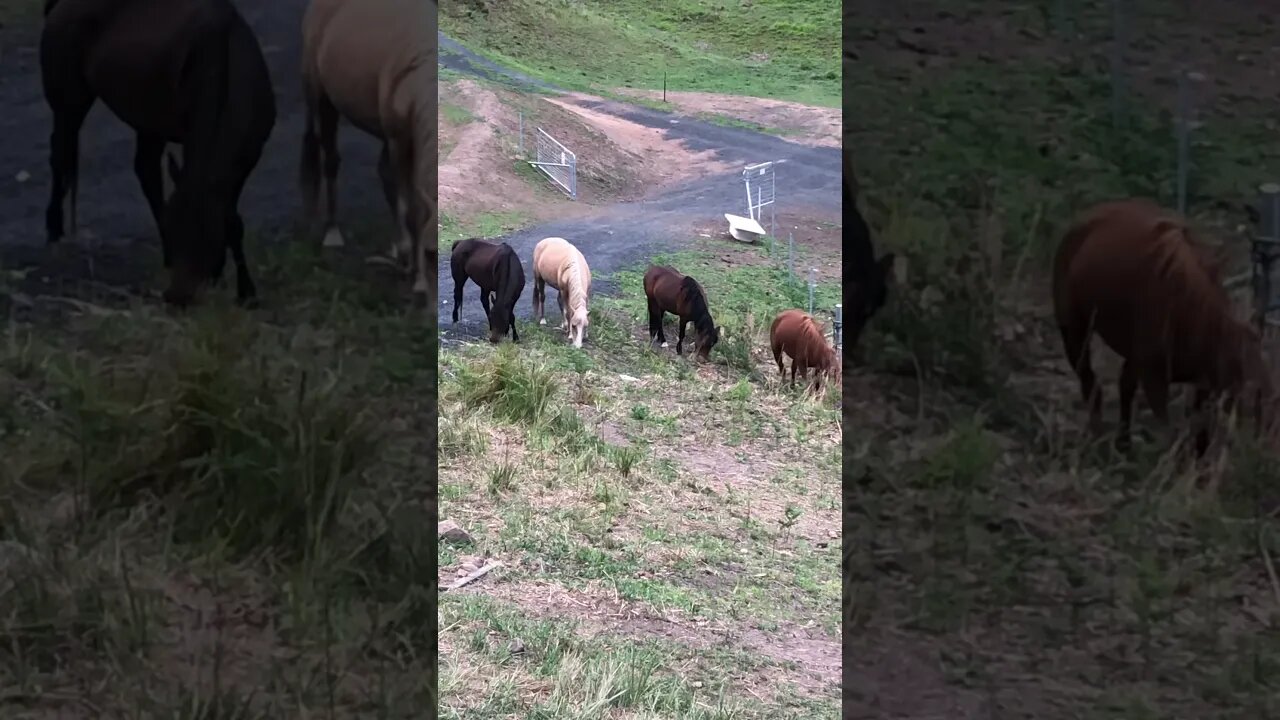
[[619, 160]]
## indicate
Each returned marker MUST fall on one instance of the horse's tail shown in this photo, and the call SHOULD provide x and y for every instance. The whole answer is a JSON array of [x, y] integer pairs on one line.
[[309, 163], [1075, 236]]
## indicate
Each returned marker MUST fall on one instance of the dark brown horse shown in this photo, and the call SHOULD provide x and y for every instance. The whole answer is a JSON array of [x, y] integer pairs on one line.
[[868, 276], [496, 269], [1135, 274], [670, 292], [189, 72], [795, 334]]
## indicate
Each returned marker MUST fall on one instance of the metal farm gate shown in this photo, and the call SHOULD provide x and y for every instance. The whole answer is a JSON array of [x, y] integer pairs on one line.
[[555, 161], [761, 191]]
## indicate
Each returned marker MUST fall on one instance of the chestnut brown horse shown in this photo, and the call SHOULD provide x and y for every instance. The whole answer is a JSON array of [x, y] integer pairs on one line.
[[1136, 275], [374, 63], [189, 72], [795, 334], [495, 267], [668, 291]]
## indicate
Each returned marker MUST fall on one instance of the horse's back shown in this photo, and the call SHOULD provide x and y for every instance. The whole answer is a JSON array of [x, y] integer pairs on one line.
[[373, 59], [1126, 264]]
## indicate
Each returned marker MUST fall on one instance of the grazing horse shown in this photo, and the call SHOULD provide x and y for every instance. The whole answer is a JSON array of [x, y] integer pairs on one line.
[[189, 72], [796, 334], [374, 63], [670, 292], [495, 267], [869, 284], [556, 262], [1135, 274]]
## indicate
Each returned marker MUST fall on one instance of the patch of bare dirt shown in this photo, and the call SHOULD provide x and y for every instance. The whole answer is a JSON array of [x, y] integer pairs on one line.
[[478, 170], [805, 124], [600, 611], [657, 157], [817, 239]]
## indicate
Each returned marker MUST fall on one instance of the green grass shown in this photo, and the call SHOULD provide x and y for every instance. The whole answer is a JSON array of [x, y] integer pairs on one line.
[[743, 301], [483, 225], [567, 465], [784, 49], [202, 512], [985, 517]]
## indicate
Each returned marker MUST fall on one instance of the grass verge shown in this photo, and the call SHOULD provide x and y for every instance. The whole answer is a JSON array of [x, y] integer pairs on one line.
[[219, 513], [777, 48], [667, 529]]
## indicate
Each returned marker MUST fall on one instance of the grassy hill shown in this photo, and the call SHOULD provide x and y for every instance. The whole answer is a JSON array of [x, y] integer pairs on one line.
[[787, 49]]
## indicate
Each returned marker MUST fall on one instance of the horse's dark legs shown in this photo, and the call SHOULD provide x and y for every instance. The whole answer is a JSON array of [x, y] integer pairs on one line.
[[539, 297], [1128, 388], [459, 281], [777, 357], [484, 301], [655, 324], [564, 311], [387, 175], [1203, 421], [327, 117], [147, 157], [64, 159], [680, 340], [511, 317], [245, 290], [1076, 344]]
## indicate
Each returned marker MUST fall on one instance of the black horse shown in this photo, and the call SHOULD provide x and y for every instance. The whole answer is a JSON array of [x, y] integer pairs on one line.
[[189, 72], [869, 276], [496, 268]]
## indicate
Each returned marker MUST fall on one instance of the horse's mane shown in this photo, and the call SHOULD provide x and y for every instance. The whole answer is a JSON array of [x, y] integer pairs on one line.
[[1186, 281], [577, 288], [697, 303], [815, 335]]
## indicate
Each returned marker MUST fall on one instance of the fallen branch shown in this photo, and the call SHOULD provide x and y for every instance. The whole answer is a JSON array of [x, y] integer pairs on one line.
[[465, 580]]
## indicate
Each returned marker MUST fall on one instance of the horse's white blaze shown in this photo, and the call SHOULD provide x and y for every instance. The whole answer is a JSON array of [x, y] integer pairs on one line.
[[333, 237]]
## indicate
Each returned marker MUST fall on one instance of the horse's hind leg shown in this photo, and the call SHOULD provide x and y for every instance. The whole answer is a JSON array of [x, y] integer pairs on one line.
[[64, 157], [680, 338], [459, 281], [327, 117], [484, 301], [655, 324], [539, 297], [1128, 388], [564, 312], [1077, 346], [147, 157]]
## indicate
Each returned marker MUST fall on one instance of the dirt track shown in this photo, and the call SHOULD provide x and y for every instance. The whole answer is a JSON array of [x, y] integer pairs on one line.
[[617, 236], [111, 206]]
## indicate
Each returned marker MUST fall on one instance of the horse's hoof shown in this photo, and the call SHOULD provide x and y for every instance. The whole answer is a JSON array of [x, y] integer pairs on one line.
[[333, 238]]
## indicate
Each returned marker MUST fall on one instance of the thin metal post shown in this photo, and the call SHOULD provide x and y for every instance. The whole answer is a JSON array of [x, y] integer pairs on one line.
[[837, 326], [1264, 251], [1117, 63], [1184, 132], [791, 258], [813, 281]]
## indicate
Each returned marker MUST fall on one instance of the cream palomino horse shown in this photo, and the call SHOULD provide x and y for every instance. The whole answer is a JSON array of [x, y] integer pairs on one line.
[[374, 63], [556, 262]]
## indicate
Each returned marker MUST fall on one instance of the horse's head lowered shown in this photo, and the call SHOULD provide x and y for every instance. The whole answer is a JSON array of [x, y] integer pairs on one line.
[[578, 323]]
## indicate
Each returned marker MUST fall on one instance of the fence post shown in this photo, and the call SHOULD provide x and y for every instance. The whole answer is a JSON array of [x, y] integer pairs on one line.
[[791, 258], [837, 325], [813, 280], [1117, 63], [1263, 250]]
